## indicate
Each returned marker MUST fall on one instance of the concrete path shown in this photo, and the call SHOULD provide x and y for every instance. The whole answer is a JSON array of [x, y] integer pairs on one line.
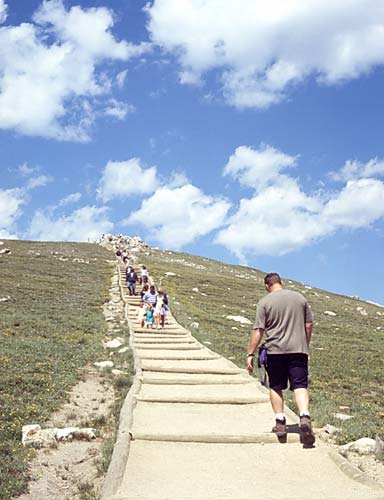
[[200, 428]]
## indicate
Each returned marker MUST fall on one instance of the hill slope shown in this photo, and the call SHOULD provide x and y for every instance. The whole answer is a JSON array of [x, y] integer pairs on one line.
[[51, 324], [347, 368]]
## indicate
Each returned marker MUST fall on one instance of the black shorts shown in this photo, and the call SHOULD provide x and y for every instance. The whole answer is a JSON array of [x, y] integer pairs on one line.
[[284, 367]]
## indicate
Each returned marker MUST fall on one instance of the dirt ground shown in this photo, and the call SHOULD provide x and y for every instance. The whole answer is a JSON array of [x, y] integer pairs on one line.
[[69, 470]]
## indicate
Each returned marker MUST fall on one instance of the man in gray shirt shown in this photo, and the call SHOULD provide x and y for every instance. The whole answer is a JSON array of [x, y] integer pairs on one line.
[[286, 319]]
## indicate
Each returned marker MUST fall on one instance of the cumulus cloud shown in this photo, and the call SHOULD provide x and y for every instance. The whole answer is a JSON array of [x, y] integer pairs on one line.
[[257, 168], [51, 76], [358, 204], [3, 11], [264, 47], [280, 217], [11, 201], [176, 216], [121, 179], [85, 224], [277, 220], [354, 169]]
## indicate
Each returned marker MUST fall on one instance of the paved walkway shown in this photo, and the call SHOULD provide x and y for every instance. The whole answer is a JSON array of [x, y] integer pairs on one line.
[[201, 430]]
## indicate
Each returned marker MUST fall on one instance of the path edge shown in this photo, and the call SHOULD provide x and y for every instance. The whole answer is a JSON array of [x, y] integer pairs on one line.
[[353, 472]]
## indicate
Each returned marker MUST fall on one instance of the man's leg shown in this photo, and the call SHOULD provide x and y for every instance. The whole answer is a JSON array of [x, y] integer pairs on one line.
[[299, 384], [302, 400], [277, 400]]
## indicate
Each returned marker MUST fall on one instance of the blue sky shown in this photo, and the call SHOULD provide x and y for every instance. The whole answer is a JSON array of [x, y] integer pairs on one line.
[[250, 132]]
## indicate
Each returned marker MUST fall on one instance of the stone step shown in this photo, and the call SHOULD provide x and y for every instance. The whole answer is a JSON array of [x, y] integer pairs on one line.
[[169, 378], [155, 340], [196, 471], [212, 366], [224, 394], [215, 438], [189, 421], [171, 355], [173, 347]]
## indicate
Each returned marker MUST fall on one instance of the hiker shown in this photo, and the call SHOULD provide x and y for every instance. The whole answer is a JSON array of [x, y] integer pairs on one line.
[[164, 293], [150, 297], [144, 275], [143, 292], [149, 316], [160, 310], [165, 307], [141, 314], [131, 281], [286, 319]]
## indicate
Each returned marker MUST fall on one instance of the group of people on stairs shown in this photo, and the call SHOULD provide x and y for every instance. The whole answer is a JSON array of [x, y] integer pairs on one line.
[[154, 305], [282, 316]]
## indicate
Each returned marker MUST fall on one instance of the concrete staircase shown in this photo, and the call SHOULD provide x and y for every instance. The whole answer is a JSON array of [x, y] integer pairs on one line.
[[201, 429]]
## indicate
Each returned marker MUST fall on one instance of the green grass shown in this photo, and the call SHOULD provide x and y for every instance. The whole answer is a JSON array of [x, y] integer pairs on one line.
[[51, 326], [346, 367]]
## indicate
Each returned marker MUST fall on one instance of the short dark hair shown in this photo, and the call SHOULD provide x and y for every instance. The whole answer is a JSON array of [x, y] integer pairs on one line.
[[271, 279]]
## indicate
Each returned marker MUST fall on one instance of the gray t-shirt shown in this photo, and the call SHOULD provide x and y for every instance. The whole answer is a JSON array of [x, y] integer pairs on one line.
[[283, 314]]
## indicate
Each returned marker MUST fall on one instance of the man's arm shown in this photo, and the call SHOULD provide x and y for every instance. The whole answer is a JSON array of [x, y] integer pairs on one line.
[[308, 331], [254, 341]]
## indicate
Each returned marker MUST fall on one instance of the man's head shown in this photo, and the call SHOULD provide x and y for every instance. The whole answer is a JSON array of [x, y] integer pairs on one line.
[[272, 281], [152, 289]]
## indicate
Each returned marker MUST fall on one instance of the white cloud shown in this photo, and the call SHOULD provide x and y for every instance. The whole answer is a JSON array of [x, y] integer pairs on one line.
[[178, 179], [280, 217], [39, 181], [359, 204], [354, 170], [68, 200], [25, 170], [126, 178], [179, 215], [11, 201], [51, 80], [257, 168], [86, 223], [262, 47], [3, 11], [118, 109], [120, 78]]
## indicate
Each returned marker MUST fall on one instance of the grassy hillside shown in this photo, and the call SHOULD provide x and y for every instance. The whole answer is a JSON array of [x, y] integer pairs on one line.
[[51, 324], [346, 368]]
